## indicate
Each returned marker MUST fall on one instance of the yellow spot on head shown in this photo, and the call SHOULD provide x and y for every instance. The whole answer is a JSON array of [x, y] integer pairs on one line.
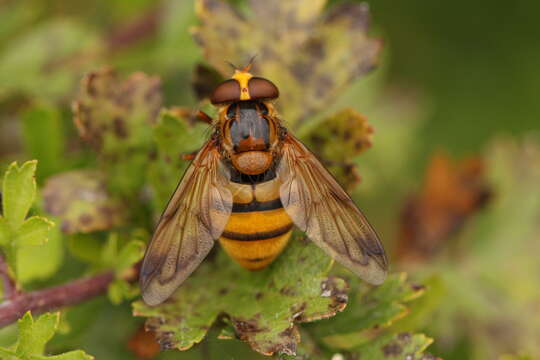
[[243, 78]]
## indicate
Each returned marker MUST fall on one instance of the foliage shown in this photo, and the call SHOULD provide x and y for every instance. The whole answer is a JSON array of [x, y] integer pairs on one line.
[[33, 336], [111, 154], [262, 307], [310, 55], [18, 232], [114, 117], [514, 174], [80, 199]]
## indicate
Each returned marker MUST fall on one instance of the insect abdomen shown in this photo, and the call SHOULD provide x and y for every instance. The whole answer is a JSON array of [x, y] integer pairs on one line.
[[258, 228]]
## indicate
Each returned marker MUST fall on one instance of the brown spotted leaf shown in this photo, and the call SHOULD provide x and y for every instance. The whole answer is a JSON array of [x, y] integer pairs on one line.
[[402, 345], [81, 201], [396, 347], [310, 54], [113, 114], [337, 139], [116, 117], [370, 310], [262, 306]]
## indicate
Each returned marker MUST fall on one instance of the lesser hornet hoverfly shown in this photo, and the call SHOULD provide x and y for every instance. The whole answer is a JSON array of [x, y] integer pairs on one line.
[[247, 187]]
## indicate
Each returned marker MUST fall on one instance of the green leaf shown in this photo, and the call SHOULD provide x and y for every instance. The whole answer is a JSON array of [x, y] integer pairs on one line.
[[30, 263], [34, 231], [396, 347], [30, 67], [33, 337], [311, 56], [389, 346], [120, 290], [115, 292], [86, 247], [109, 252], [369, 308], [337, 139], [175, 135], [129, 255], [19, 237], [44, 138], [18, 192], [81, 200], [7, 354], [72, 355], [5, 232], [178, 133], [262, 306]]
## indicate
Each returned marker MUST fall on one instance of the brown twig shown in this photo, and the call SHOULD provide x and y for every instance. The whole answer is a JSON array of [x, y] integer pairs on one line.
[[9, 286], [56, 297]]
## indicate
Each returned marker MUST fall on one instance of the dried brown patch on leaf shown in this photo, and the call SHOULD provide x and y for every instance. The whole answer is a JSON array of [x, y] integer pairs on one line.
[[452, 192], [310, 55], [262, 307], [398, 346], [81, 201]]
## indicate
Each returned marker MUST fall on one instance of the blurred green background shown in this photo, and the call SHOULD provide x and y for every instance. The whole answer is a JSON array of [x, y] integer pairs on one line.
[[459, 78]]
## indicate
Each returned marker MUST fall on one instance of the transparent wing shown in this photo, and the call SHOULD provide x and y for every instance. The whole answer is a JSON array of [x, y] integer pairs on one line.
[[322, 209], [194, 218]]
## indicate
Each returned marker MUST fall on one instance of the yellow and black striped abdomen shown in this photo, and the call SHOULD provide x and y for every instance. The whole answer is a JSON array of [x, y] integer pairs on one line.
[[258, 228]]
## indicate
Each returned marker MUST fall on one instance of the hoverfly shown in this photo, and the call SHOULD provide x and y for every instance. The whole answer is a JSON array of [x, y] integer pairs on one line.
[[247, 187]]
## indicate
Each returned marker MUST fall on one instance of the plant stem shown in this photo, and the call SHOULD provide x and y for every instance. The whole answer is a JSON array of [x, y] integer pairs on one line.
[[55, 297], [9, 286]]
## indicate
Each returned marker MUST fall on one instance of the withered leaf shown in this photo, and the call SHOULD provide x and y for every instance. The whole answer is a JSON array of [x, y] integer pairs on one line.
[[310, 55], [81, 201], [114, 115], [500, 255], [262, 306], [452, 192]]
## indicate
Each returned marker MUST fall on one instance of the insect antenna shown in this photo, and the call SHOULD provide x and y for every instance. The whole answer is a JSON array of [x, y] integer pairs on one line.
[[234, 67], [250, 64]]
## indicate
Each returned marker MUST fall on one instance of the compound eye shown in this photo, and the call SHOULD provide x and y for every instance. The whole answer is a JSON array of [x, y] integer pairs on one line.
[[262, 108], [227, 91], [260, 88], [231, 112]]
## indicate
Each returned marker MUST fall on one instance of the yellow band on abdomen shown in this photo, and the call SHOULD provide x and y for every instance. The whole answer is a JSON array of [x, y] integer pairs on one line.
[[254, 239], [255, 254]]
